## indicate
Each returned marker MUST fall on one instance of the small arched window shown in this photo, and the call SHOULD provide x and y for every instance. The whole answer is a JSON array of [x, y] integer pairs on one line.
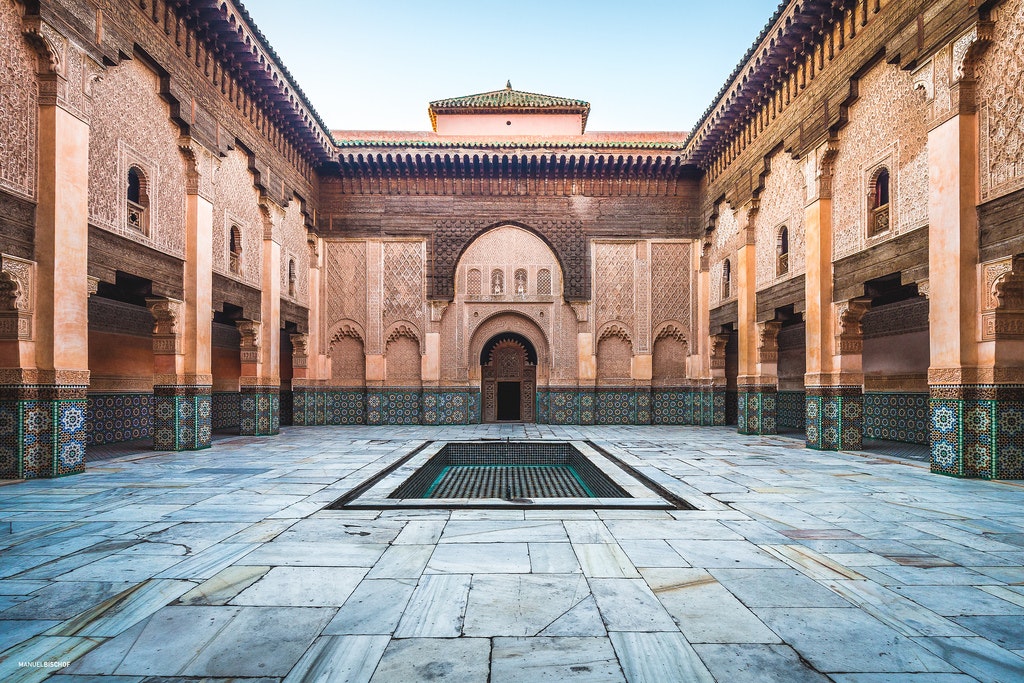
[[878, 218], [291, 278], [138, 201], [521, 282], [497, 281], [544, 282], [726, 279], [235, 248], [782, 252]]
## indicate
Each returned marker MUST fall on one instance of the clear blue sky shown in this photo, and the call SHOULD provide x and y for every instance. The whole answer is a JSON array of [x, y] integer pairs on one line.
[[642, 64]]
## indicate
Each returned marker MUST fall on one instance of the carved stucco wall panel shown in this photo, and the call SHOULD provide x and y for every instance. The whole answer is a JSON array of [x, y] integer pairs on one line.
[[613, 360], [18, 106], [344, 283], [782, 204], [404, 292], [670, 283], [403, 362], [236, 202], [348, 363], [1001, 104], [614, 264], [887, 125], [724, 245], [294, 248], [131, 124]]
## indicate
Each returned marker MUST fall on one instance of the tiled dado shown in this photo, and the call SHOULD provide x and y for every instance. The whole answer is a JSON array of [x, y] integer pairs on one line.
[[977, 431], [756, 408], [896, 417], [225, 410], [113, 418], [613, 406], [328, 406], [182, 418], [791, 410], [42, 431], [835, 418], [451, 407], [610, 405], [259, 411]]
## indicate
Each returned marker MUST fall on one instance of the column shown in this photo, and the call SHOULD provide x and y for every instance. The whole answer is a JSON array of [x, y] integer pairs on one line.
[[758, 346], [712, 395], [260, 381], [758, 400], [44, 327], [701, 361], [308, 363], [834, 381], [976, 398], [182, 333]]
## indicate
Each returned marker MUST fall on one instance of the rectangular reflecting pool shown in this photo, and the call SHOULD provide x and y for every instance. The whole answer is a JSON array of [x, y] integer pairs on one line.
[[498, 474], [509, 470]]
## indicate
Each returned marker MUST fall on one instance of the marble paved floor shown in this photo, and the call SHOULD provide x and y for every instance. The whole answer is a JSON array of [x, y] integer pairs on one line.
[[796, 566]]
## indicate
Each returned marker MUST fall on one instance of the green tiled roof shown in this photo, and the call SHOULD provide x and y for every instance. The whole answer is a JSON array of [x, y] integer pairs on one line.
[[509, 98]]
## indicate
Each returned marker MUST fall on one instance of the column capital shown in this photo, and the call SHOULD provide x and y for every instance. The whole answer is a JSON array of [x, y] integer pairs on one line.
[[300, 350], [251, 338]]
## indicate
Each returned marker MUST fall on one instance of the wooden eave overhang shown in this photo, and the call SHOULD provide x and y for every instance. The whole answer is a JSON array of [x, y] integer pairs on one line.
[[247, 54], [462, 163], [795, 26]]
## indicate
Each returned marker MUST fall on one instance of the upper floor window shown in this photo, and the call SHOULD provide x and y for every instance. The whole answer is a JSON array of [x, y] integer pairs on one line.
[[473, 282], [291, 278], [726, 279], [878, 201], [521, 282], [544, 282], [235, 249], [497, 281], [782, 252], [138, 201]]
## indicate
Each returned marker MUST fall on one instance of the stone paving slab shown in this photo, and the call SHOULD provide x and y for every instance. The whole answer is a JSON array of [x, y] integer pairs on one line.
[[797, 565]]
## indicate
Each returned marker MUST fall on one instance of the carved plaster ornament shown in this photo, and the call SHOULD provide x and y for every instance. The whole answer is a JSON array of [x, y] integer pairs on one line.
[[768, 341], [437, 309], [300, 349], [250, 344], [849, 315], [717, 343], [581, 309], [402, 331]]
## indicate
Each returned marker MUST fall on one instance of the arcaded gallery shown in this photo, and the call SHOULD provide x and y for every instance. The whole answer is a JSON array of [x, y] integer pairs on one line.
[[829, 263]]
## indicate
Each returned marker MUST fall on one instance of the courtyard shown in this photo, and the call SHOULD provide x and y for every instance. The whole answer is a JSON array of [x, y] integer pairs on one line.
[[795, 565]]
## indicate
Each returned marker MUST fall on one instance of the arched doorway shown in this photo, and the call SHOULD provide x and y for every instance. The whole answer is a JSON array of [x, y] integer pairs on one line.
[[508, 365]]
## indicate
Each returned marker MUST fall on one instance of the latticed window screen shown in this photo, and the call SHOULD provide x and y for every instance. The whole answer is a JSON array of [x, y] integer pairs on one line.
[[497, 282], [473, 282], [543, 282]]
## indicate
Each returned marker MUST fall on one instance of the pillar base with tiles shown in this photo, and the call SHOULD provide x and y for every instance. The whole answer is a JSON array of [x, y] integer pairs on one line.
[[835, 418], [42, 431], [260, 411], [182, 418], [757, 406], [977, 431]]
